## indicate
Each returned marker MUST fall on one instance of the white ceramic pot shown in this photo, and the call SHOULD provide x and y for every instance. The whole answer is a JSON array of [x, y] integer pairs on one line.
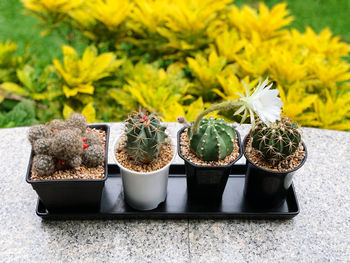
[[144, 191]]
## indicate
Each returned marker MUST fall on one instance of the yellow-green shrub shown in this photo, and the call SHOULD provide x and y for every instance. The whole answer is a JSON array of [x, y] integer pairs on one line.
[[9, 61], [199, 52], [79, 78], [152, 88]]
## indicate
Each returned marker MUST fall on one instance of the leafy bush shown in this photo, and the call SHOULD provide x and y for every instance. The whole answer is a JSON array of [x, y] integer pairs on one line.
[[23, 114], [177, 57]]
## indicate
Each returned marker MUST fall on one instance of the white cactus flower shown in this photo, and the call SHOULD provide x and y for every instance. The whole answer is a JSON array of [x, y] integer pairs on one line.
[[264, 102]]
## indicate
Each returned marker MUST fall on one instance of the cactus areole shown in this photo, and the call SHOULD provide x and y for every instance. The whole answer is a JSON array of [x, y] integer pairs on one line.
[[278, 141], [145, 137], [214, 139]]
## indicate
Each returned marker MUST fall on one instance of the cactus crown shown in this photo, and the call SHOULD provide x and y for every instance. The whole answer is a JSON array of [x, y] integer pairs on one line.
[[214, 139], [145, 136], [62, 145], [278, 141]]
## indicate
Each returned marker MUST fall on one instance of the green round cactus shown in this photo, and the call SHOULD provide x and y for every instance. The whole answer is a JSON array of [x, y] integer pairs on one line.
[[145, 137], [278, 141], [214, 139]]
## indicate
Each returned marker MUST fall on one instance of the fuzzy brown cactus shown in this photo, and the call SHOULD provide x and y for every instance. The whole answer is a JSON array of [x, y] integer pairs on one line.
[[57, 125], [92, 138], [38, 132], [43, 146], [44, 164], [93, 155], [77, 120], [66, 144], [75, 162]]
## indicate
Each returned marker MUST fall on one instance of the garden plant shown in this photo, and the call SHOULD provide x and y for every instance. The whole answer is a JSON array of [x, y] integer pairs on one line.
[[144, 153], [273, 148], [273, 152], [174, 58], [68, 163], [211, 144]]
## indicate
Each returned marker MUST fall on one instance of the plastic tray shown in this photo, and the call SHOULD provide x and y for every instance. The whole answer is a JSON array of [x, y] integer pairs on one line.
[[177, 206]]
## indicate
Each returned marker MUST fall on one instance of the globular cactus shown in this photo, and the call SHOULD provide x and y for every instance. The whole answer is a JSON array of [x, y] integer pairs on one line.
[[63, 145], [66, 145], [77, 120], [214, 139], [44, 164], [278, 141], [43, 146], [38, 132], [145, 137], [75, 162], [57, 125], [93, 155], [92, 138]]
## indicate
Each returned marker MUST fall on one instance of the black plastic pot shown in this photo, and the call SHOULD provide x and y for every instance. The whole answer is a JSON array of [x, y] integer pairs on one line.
[[75, 194], [206, 182], [264, 188]]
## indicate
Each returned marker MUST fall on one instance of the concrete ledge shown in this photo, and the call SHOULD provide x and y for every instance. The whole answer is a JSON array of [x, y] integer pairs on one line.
[[319, 233]]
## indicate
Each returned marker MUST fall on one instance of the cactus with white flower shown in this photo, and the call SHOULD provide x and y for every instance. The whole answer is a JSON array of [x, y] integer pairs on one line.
[[263, 102]]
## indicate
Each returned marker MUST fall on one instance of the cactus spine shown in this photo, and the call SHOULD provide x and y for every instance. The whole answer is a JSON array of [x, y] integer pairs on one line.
[[278, 141], [145, 137], [214, 139]]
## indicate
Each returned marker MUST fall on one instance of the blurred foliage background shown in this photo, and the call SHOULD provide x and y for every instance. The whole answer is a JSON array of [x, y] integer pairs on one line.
[[105, 58]]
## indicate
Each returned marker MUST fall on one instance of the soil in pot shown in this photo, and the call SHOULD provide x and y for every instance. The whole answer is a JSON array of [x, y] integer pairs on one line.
[[286, 165], [267, 183], [165, 156]]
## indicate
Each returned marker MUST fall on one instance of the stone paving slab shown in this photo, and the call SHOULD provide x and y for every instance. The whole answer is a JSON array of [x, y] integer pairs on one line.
[[320, 233]]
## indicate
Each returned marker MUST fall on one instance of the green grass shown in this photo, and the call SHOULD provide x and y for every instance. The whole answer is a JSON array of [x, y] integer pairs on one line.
[[25, 30], [318, 14]]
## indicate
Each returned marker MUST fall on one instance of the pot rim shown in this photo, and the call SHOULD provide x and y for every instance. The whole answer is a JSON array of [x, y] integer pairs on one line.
[[116, 141], [276, 172], [64, 181], [207, 166]]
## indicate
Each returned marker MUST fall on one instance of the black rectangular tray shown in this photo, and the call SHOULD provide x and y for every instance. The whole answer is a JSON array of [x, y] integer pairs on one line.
[[177, 206]]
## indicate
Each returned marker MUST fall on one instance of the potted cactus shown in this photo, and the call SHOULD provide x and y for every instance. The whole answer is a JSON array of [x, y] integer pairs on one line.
[[144, 153], [209, 155], [210, 147], [68, 163], [274, 153]]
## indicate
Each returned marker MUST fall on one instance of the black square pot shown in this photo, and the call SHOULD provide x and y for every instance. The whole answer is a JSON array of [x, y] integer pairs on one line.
[[72, 194], [206, 182], [264, 188]]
